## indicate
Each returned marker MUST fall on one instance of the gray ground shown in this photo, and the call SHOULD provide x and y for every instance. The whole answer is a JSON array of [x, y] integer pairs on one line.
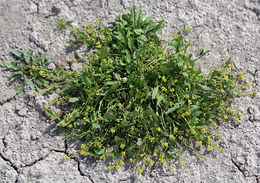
[[30, 151]]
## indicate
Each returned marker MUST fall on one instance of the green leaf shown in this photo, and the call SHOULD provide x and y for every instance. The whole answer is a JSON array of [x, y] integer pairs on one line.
[[96, 125], [100, 151], [49, 112], [155, 92], [204, 87], [17, 53], [205, 50], [139, 141], [31, 84], [19, 87], [112, 82], [73, 99], [176, 106], [138, 31], [159, 98]]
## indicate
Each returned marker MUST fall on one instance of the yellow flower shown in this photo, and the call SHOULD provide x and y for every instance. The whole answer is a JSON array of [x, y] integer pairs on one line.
[[117, 167], [74, 29], [171, 136], [123, 153], [240, 73], [242, 87], [190, 28], [215, 125], [230, 99], [248, 84], [219, 118], [220, 149], [243, 78], [201, 158], [33, 67], [170, 167], [154, 154], [237, 119], [222, 91], [171, 103], [209, 148], [164, 89], [52, 118], [131, 160], [109, 168], [162, 155], [222, 104], [172, 89], [70, 126], [165, 144], [46, 107], [164, 79], [112, 130], [219, 135], [151, 163], [162, 160], [203, 130], [121, 162], [82, 152], [215, 144], [240, 115], [82, 146], [199, 143], [140, 171], [35, 93], [41, 72], [122, 146], [158, 129], [255, 92], [64, 158], [62, 123], [225, 117], [181, 163]]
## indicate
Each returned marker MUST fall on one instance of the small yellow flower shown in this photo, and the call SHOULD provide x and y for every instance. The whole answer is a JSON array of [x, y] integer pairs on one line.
[[74, 29], [112, 130], [225, 117], [62, 123], [171, 103], [121, 162], [82, 152], [33, 67], [117, 167], [255, 92], [215, 125], [181, 163], [158, 129], [140, 171], [162, 160], [155, 154], [248, 84], [165, 144], [222, 91], [171, 136], [240, 73], [203, 130], [215, 144], [222, 104], [35, 93], [82, 146], [219, 135], [209, 148], [70, 126], [122, 146], [109, 168], [123, 153], [232, 108], [201, 158], [230, 99], [131, 160], [52, 118], [46, 107], [164, 79], [64, 158], [170, 167], [243, 78], [233, 112], [172, 89], [220, 149], [237, 119], [189, 43], [242, 87], [199, 143], [190, 28], [151, 163], [164, 89], [219, 118], [162, 155], [41, 72], [240, 115]]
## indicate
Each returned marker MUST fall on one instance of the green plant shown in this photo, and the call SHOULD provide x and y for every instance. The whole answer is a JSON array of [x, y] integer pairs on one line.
[[62, 24], [136, 99], [28, 69]]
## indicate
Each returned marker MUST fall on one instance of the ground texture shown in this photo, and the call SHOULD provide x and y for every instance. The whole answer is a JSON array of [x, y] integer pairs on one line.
[[31, 151]]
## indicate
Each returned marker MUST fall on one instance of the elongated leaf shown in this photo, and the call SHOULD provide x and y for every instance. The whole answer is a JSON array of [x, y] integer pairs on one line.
[[31, 84], [73, 99], [17, 53], [19, 87], [176, 106], [205, 50], [96, 125], [155, 92]]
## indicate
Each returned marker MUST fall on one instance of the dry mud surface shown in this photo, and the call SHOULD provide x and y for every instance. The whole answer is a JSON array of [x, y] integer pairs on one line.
[[31, 152]]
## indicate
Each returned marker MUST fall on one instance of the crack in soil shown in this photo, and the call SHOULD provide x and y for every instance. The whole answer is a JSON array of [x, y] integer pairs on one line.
[[238, 167]]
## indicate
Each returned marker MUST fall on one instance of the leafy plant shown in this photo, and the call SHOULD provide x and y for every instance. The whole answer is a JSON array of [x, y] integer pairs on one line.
[[62, 24], [28, 69], [136, 99]]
